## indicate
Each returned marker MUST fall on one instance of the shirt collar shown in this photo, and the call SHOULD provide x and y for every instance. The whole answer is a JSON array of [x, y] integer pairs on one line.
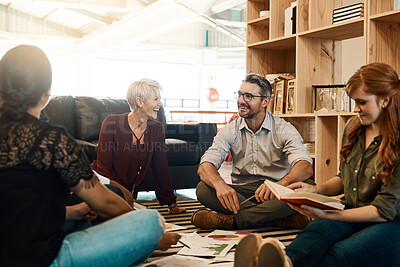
[[267, 123]]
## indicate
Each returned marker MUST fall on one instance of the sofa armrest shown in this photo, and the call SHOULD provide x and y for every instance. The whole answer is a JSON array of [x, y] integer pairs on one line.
[[201, 133]]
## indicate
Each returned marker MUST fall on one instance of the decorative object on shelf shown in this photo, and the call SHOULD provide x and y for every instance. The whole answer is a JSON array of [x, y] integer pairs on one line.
[[279, 97], [264, 13], [330, 98], [290, 97], [348, 13], [396, 4], [279, 84], [290, 19]]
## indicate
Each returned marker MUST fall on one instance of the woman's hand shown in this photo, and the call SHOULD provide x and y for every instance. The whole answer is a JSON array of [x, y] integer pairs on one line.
[[176, 210], [309, 211], [303, 187], [167, 240], [79, 212]]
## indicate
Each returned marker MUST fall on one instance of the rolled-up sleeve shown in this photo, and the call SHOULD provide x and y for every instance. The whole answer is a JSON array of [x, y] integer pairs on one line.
[[293, 144], [219, 150], [387, 201]]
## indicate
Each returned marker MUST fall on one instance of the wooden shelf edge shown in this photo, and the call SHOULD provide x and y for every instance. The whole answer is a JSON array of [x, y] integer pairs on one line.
[[335, 114], [389, 16], [262, 21], [297, 115], [281, 43], [312, 115], [341, 31]]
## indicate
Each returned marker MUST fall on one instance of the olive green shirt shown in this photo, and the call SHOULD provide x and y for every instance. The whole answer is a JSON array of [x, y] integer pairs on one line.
[[362, 186]]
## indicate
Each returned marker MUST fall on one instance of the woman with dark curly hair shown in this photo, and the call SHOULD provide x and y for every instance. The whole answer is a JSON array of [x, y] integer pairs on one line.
[[367, 231], [40, 165]]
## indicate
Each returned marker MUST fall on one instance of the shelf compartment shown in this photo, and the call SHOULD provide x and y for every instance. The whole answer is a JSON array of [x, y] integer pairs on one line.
[[282, 43], [384, 41], [389, 16], [341, 31], [326, 147], [254, 8], [263, 21], [380, 6]]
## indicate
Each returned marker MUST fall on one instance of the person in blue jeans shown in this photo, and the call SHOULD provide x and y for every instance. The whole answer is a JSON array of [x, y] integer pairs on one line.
[[40, 165], [367, 231]]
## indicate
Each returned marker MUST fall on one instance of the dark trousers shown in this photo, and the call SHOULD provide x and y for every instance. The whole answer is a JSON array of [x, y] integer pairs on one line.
[[251, 213], [333, 243]]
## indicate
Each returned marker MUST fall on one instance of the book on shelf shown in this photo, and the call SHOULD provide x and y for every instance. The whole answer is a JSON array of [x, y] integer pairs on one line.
[[290, 19], [346, 13], [288, 195], [347, 18], [356, 6]]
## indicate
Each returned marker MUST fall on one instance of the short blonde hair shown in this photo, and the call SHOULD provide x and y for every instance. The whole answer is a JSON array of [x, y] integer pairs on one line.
[[142, 89]]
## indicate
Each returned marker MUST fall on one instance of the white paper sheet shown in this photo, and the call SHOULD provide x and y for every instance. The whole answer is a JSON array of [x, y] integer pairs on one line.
[[206, 247], [173, 227], [178, 261]]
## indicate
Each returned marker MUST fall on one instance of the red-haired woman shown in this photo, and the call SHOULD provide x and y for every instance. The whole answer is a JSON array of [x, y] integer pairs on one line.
[[367, 231]]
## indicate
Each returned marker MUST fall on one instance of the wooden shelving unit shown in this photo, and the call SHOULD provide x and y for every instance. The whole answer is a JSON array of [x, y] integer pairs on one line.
[[314, 55]]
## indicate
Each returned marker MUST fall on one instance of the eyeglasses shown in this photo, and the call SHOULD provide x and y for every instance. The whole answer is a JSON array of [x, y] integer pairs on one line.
[[246, 96]]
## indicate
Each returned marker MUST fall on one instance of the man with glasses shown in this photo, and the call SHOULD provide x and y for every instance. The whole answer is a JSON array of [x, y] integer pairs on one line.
[[263, 146]]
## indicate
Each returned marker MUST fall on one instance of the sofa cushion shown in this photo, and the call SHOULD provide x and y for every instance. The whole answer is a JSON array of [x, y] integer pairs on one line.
[[61, 111], [90, 113], [181, 152]]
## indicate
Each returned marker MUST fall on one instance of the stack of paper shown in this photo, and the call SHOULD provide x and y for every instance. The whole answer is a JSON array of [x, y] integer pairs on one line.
[[348, 13]]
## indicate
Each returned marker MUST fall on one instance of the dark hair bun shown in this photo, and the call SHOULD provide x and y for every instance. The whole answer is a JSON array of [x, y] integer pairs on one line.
[[25, 75]]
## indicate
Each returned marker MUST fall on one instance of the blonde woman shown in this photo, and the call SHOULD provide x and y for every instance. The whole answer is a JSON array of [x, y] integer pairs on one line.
[[131, 143]]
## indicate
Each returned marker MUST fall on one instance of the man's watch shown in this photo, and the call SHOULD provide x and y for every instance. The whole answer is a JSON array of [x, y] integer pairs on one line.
[[171, 206]]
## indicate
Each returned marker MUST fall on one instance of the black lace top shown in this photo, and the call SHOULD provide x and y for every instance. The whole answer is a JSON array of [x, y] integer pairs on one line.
[[38, 163]]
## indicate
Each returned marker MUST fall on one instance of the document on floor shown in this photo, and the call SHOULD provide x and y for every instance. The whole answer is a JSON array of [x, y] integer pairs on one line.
[[204, 246], [222, 235], [186, 238], [173, 227], [230, 257], [178, 261]]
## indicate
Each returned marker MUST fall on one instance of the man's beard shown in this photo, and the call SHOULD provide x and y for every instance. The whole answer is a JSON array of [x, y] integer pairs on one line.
[[249, 115]]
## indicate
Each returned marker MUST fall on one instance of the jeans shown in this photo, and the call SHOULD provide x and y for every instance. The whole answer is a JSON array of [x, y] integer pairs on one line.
[[127, 240], [334, 243]]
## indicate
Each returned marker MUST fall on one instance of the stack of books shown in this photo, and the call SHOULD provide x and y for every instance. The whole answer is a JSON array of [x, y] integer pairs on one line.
[[346, 13]]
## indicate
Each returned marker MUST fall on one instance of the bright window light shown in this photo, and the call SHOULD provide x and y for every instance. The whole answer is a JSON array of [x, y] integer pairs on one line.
[[111, 78], [65, 79]]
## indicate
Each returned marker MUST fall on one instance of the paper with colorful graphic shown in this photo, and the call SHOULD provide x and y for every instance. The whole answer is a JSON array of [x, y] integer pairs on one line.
[[232, 236], [202, 246]]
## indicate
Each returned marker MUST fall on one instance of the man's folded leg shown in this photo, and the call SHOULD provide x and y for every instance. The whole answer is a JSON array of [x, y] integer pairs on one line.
[[250, 214]]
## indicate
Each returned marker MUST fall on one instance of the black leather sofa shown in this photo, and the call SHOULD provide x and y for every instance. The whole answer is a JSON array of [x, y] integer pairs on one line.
[[83, 116]]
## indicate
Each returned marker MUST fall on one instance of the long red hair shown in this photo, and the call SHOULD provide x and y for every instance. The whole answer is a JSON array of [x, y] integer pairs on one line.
[[381, 80]]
